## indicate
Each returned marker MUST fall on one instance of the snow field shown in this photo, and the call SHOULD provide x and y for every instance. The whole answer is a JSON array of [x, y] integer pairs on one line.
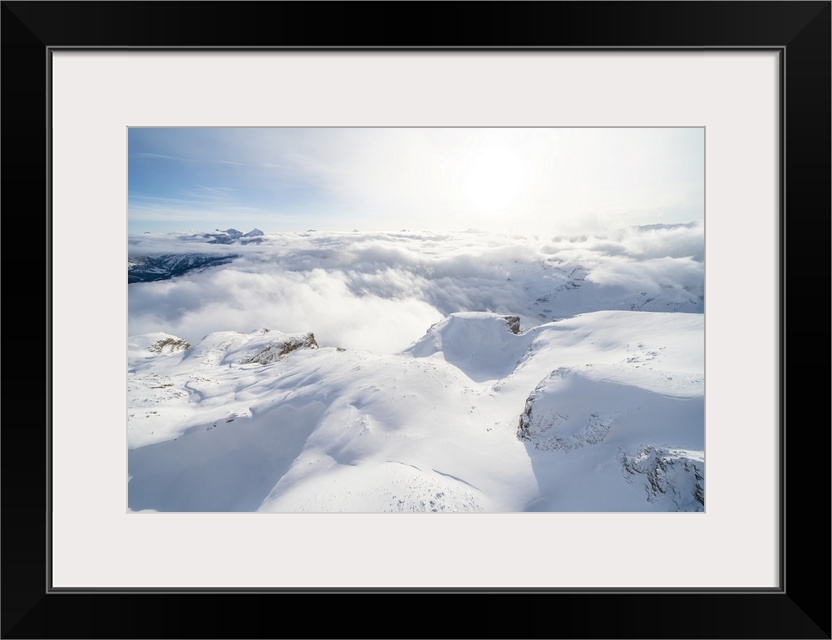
[[431, 429]]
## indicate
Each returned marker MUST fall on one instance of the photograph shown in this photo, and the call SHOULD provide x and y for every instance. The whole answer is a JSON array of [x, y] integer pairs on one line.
[[416, 319]]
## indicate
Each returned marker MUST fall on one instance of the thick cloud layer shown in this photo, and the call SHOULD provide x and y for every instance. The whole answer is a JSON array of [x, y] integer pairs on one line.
[[382, 291]]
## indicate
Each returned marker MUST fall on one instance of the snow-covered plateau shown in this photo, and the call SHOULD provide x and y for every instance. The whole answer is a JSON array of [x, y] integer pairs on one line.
[[420, 373]]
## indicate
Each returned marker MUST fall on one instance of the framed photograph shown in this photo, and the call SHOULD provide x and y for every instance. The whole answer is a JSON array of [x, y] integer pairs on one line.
[[480, 158]]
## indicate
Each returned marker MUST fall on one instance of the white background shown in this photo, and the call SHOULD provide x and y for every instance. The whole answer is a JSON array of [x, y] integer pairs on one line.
[[96, 96]]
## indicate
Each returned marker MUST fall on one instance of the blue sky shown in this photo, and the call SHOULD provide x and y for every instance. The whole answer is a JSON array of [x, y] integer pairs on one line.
[[503, 179]]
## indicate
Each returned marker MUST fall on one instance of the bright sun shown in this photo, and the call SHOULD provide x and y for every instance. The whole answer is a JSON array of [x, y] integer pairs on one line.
[[493, 180]]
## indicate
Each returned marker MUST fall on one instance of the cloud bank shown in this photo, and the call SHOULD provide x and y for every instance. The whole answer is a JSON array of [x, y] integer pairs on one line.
[[380, 292]]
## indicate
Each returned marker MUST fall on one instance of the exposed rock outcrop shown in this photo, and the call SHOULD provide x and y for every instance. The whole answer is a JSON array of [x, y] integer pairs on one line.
[[548, 427], [279, 348], [676, 474], [169, 345], [513, 323]]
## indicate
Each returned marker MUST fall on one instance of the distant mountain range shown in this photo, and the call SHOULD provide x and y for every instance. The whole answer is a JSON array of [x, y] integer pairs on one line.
[[228, 236]]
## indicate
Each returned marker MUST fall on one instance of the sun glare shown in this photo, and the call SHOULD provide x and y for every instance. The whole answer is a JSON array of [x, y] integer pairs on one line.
[[493, 181]]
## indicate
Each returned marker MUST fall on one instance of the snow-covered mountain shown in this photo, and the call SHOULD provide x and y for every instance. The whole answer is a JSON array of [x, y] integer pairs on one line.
[[155, 267], [163, 267], [599, 412], [226, 236]]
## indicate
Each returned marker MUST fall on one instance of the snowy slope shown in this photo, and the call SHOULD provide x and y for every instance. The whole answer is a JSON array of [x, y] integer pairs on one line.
[[601, 411]]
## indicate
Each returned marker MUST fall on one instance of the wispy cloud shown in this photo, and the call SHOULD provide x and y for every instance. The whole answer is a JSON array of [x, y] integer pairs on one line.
[[142, 154], [441, 179]]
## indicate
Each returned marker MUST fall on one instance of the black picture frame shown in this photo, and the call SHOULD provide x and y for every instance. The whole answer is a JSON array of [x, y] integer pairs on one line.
[[799, 31]]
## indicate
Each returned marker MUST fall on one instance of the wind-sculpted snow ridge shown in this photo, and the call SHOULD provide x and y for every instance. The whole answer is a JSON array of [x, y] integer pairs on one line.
[[171, 384], [545, 424], [571, 409], [597, 412], [261, 347], [484, 346]]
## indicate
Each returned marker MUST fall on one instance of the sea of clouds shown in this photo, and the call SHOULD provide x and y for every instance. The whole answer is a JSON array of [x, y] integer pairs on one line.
[[381, 291]]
